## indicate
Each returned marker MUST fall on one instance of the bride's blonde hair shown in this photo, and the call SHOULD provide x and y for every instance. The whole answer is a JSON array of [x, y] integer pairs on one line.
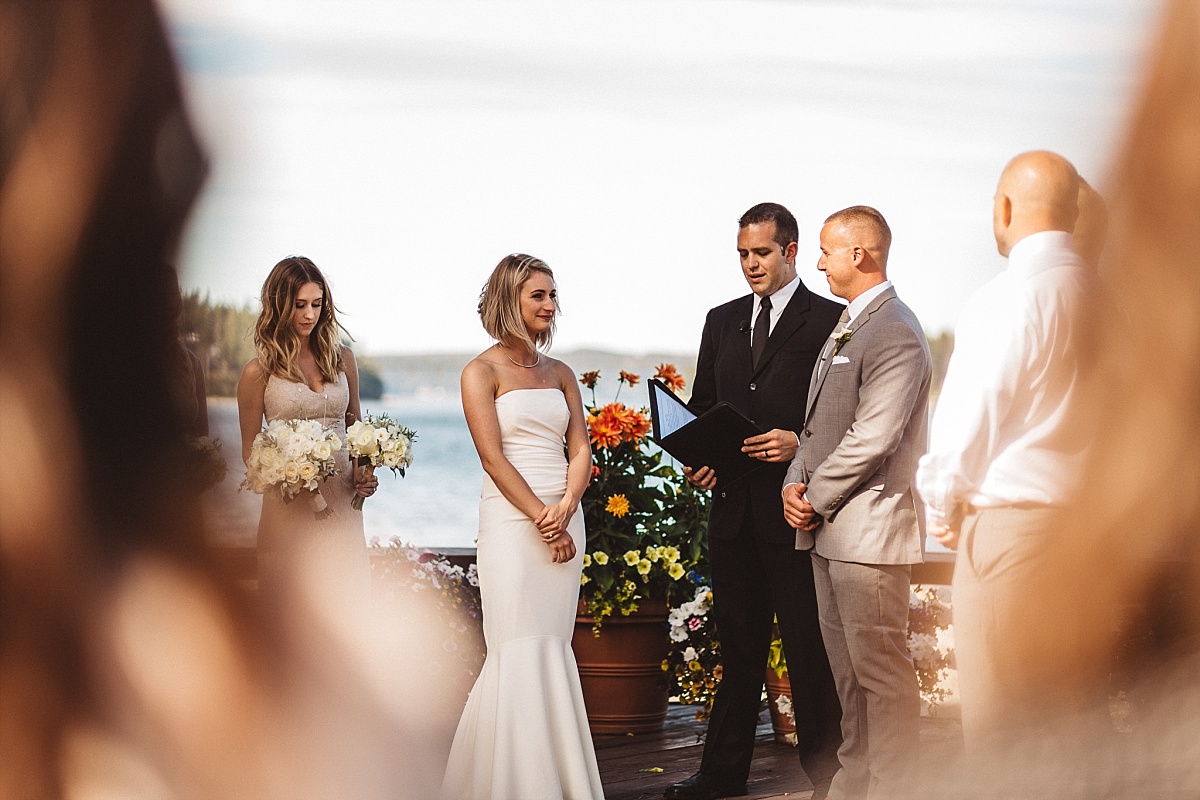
[[275, 337], [500, 301]]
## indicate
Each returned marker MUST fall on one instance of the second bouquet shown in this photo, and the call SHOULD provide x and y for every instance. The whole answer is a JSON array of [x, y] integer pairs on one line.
[[379, 441]]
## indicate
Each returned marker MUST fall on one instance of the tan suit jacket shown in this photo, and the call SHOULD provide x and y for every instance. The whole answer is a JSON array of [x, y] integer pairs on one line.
[[865, 428]]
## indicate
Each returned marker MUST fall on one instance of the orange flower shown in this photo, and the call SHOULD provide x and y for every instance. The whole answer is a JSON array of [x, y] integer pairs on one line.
[[589, 379], [604, 428], [630, 378], [595, 472], [670, 376], [618, 505]]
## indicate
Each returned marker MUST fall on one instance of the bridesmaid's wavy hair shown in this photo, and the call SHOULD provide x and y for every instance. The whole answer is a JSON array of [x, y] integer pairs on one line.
[[500, 301], [275, 337]]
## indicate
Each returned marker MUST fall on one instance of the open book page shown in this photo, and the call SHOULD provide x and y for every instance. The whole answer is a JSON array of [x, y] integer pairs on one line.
[[671, 414]]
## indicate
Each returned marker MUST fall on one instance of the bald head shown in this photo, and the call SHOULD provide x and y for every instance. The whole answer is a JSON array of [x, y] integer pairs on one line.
[[1038, 191]]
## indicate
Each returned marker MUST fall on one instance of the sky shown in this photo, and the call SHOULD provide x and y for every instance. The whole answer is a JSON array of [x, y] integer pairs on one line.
[[407, 146]]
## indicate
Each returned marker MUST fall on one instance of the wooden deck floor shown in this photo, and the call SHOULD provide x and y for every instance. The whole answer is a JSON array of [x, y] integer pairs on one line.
[[629, 764]]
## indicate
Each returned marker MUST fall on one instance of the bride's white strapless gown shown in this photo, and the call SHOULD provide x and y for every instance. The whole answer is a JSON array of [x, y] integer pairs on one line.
[[524, 732]]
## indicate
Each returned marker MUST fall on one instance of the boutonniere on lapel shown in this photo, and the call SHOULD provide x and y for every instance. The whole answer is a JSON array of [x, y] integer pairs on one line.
[[840, 338]]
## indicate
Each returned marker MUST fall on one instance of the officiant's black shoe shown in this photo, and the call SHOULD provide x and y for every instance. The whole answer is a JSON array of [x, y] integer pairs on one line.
[[702, 787]]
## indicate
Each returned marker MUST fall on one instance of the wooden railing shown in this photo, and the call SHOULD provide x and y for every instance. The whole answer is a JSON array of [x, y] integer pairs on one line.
[[241, 563]]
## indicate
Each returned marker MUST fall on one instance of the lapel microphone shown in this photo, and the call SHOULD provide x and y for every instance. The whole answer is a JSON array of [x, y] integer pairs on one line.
[[744, 327]]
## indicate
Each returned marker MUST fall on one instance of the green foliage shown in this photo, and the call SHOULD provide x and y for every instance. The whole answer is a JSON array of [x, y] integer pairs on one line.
[[219, 334]]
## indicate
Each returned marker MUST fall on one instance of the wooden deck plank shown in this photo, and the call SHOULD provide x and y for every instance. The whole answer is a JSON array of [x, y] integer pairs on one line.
[[775, 773]]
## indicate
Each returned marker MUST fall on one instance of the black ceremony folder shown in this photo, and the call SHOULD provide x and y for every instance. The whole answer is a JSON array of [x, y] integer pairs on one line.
[[713, 439]]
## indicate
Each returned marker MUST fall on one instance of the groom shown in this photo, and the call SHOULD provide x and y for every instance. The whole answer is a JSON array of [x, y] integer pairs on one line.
[[850, 496], [756, 353]]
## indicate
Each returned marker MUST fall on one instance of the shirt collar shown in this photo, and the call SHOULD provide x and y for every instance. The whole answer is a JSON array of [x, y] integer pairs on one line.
[[859, 304], [1025, 253], [780, 299]]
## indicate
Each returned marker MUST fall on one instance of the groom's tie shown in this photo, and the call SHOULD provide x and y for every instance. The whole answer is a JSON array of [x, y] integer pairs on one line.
[[761, 330]]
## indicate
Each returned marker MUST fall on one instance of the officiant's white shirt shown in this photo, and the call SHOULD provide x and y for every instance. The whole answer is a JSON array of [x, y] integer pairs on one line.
[[779, 302], [1007, 428]]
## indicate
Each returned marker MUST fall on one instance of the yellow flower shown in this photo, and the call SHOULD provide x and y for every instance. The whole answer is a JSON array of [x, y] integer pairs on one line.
[[643, 567], [618, 505], [694, 666], [665, 666], [601, 557], [587, 560], [583, 578], [671, 554], [652, 553], [632, 557], [630, 586], [675, 571]]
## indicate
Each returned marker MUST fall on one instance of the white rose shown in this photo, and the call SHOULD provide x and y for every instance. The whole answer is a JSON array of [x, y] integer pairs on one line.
[[291, 471], [390, 460], [265, 456], [322, 451], [387, 445], [308, 471], [381, 434], [364, 437], [309, 429], [354, 429]]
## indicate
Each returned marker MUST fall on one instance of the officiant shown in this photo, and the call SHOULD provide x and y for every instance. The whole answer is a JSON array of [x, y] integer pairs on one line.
[[757, 353]]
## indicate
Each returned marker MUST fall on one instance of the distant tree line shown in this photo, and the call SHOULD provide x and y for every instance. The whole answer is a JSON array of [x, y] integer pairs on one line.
[[220, 335]]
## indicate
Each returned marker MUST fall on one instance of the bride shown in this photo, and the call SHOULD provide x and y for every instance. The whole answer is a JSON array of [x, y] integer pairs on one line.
[[524, 732]]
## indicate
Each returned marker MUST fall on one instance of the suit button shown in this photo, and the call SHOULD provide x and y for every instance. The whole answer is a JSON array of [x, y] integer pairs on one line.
[[753, 386], [807, 432], [722, 494]]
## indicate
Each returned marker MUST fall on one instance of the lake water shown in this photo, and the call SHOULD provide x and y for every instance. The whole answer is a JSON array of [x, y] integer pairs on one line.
[[434, 505]]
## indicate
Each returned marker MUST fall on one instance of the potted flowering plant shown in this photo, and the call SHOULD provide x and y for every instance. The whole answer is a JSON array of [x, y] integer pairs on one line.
[[645, 523], [645, 537]]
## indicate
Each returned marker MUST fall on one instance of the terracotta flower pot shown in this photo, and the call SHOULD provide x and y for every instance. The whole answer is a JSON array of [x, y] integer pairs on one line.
[[785, 729], [624, 686]]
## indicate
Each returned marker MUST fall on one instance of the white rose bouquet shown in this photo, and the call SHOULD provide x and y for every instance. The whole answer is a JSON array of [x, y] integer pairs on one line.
[[379, 441], [290, 457]]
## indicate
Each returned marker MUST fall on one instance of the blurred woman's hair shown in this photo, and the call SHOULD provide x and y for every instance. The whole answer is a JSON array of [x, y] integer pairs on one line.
[[275, 336], [500, 301]]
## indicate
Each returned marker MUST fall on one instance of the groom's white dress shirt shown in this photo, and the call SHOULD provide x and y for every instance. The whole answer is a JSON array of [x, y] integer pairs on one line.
[[1008, 429]]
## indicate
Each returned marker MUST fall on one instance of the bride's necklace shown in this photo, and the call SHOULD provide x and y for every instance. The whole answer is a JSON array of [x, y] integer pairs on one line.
[[536, 361]]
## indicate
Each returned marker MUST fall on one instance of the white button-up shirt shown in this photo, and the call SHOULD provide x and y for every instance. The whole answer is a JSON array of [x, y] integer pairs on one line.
[[779, 302], [1008, 427]]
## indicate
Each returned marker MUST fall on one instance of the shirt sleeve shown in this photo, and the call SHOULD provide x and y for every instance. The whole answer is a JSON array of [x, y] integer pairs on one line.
[[992, 344]]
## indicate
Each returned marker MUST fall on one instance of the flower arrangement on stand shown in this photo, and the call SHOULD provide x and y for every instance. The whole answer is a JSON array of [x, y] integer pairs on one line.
[[403, 574], [694, 659], [930, 644], [644, 522]]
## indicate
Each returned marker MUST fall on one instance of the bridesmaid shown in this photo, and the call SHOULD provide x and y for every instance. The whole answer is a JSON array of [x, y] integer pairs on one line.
[[301, 372]]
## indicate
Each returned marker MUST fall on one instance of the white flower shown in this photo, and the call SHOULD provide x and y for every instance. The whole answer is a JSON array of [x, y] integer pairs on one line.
[[689, 654], [308, 470], [322, 450]]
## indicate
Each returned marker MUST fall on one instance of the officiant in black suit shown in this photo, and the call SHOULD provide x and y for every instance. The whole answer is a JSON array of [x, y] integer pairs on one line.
[[757, 353]]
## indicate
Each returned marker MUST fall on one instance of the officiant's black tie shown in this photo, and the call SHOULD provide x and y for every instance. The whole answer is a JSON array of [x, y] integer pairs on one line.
[[761, 330]]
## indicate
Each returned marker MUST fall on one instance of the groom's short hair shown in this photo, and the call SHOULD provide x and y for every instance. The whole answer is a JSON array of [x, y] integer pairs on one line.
[[786, 229]]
